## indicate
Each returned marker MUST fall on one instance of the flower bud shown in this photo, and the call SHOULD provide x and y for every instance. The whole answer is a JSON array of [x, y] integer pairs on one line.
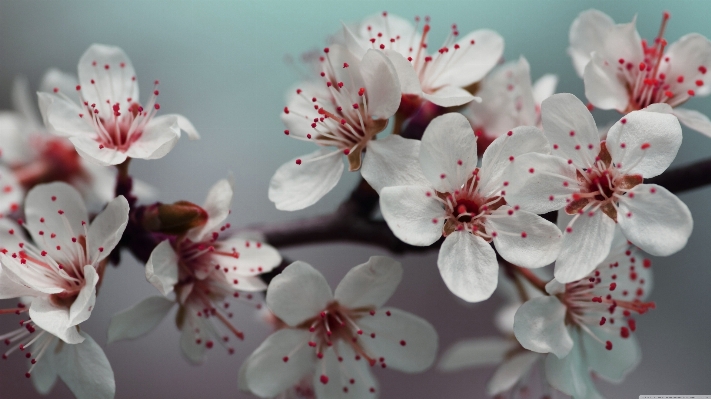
[[176, 218]]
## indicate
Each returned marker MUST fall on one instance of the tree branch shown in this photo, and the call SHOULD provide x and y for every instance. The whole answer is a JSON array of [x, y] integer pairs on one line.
[[684, 178]]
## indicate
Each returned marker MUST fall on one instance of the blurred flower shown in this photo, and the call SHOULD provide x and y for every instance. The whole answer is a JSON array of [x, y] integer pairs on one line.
[[455, 199], [64, 265], [204, 267], [586, 326], [108, 125], [337, 337], [601, 183], [624, 72], [342, 114], [441, 77], [508, 101]]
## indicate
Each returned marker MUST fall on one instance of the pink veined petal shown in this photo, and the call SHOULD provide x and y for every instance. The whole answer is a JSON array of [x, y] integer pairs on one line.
[[393, 161], [479, 51], [217, 205], [84, 302], [382, 87], [686, 56], [409, 82], [162, 268], [17, 272], [571, 375], [107, 229], [571, 129], [413, 214], [644, 142], [10, 288], [539, 183], [11, 192], [603, 88], [56, 209], [86, 370], [369, 284], [91, 150], [113, 75], [450, 96], [139, 319], [468, 266], [54, 320], [487, 351], [497, 157], [544, 87], [612, 365], [406, 342], [298, 293], [585, 245], [448, 154], [511, 371], [694, 120], [539, 325], [253, 257], [159, 137], [523, 238], [346, 379], [587, 35], [297, 186], [655, 220], [266, 372]]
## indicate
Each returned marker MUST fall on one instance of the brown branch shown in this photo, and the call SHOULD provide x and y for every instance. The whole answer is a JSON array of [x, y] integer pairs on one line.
[[684, 178]]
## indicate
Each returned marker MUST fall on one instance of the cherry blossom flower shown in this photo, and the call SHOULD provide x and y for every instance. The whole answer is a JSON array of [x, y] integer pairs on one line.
[[601, 183], [204, 267], [341, 114], [64, 265], [586, 326], [508, 101], [441, 77], [625, 73], [514, 363], [108, 124], [465, 204], [337, 336]]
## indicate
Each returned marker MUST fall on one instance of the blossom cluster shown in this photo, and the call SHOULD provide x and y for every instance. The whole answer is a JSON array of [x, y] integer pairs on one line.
[[464, 153]]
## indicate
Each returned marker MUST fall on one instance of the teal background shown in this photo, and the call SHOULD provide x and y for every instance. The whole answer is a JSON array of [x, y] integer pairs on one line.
[[221, 64]]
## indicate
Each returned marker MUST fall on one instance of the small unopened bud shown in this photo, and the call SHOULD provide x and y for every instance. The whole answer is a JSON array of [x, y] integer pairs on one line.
[[176, 218]]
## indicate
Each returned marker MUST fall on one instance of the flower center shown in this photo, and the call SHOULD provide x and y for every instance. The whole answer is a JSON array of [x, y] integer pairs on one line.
[[466, 209], [57, 160]]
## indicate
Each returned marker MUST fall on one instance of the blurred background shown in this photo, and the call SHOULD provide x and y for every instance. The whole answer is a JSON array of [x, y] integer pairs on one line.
[[222, 64]]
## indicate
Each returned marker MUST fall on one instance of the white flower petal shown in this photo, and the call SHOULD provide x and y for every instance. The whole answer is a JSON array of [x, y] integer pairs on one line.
[[450, 96], [44, 373], [409, 82], [476, 352], [12, 192], [183, 123], [612, 365], [686, 55], [84, 302], [539, 326], [478, 53], [497, 157], [406, 342], [10, 288], [370, 284], [511, 372], [217, 205], [468, 266], [267, 374], [391, 26], [193, 351], [65, 82], [603, 88], [159, 137], [340, 374], [300, 292], [393, 161], [382, 87], [523, 238], [571, 129], [412, 213], [544, 87], [294, 187], [694, 120], [139, 319], [644, 142], [539, 183], [93, 152], [350, 76], [655, 220], [587, 34], [14, 140], [570, 375], [162, 268], [113, 75], [54, 320], [42, 215], [623, 41], [86, 370], [253, 257], [585, 246], [106, 229], [65, 118], [448, 153]]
